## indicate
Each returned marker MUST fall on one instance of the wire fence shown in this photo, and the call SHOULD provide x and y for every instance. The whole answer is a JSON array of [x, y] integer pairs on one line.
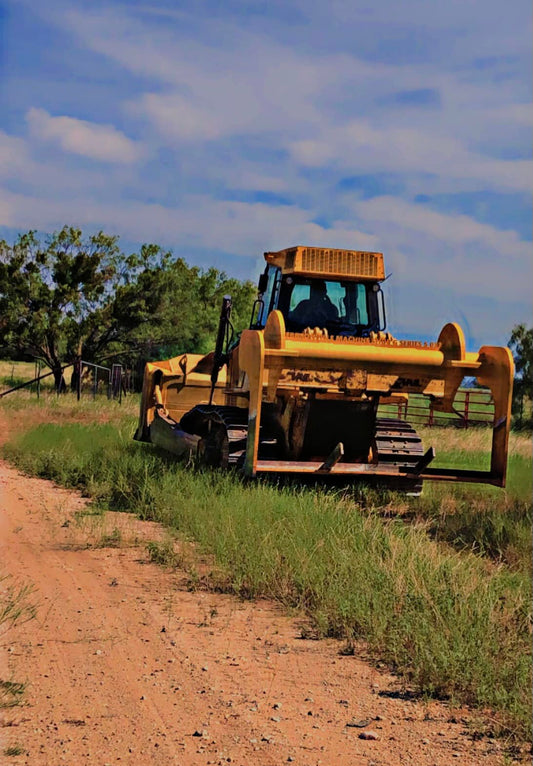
[[87, 379]]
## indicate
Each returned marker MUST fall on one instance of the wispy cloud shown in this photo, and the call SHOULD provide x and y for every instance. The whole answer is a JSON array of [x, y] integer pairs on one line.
[[88, 139], [461, 230]]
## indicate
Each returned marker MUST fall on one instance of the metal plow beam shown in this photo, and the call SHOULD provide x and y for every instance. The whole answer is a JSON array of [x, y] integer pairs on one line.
[[276, 359]]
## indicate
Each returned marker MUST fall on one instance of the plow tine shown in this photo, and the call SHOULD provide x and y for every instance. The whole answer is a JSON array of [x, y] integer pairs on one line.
[[333, 458], [423, 463]]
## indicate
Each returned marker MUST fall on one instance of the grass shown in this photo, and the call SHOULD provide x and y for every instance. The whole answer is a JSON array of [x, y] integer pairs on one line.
[[14, 750], [15, 373], [487, 520], [16, 608], [439, 587]]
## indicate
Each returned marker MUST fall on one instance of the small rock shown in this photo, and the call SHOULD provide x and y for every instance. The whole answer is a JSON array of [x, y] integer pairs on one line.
[[276, 705], [290, 759], [204, 668], [369, 735], [425, 741], [358, 724], [275, 718]]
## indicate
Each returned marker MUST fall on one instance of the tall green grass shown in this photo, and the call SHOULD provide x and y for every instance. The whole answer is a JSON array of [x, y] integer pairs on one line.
[[490, 521], [452, 622]]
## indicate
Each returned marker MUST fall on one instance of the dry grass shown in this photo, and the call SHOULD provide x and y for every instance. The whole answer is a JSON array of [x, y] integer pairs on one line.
[[472, 440], [13, 373]]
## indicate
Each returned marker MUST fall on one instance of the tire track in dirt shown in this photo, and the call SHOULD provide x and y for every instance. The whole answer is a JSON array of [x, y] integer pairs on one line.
[[125, 665]]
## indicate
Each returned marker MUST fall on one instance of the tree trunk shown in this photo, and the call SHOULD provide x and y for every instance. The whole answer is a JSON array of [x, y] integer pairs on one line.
[[59, 379], [75, 381]]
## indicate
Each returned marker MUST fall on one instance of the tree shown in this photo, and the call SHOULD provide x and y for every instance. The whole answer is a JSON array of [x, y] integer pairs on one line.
[[187, 316], [521, 344], [49, 293], [75, 296]]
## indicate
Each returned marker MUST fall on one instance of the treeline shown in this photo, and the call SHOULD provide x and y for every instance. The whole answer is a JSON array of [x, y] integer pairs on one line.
[[69, 296]]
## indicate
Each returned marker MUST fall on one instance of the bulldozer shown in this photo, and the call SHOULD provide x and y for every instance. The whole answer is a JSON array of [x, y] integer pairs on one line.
[[298, 392]]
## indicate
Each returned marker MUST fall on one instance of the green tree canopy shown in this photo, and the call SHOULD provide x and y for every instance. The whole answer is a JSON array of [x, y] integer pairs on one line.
[[521, 344], [76, 296]]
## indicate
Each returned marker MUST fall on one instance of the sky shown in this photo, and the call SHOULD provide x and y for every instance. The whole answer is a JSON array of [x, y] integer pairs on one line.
[[225, 129]]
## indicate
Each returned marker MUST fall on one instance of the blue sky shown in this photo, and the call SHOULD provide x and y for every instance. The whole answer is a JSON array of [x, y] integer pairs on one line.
[[224, 129]]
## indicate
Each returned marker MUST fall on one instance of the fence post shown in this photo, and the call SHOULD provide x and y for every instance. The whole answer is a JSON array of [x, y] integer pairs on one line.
[[78, 367], [467, 402], [430, 419], [115, 382]]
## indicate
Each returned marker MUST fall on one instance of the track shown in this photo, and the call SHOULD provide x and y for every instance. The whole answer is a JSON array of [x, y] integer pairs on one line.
[[398, 444], [224, 432]]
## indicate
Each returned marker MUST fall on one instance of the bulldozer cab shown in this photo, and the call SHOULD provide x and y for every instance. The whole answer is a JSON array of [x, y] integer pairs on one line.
[[343, 307]]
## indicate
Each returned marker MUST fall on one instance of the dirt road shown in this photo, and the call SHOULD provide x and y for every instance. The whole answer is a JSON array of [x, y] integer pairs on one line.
[[125, 665]]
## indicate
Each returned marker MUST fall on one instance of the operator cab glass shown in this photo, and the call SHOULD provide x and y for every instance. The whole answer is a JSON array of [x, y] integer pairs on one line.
[[342, 307]]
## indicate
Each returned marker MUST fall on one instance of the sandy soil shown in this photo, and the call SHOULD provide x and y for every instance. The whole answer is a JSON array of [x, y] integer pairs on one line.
[[125, 665]]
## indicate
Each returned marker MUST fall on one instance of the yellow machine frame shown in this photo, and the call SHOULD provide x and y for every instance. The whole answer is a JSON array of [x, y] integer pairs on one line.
[[272, 365]]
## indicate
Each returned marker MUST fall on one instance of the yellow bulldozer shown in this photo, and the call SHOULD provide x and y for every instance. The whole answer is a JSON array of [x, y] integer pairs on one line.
[[299, 391]]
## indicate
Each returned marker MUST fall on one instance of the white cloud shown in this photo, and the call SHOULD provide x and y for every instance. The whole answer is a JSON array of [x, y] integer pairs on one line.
[[452, 229], [88, 139], [362, 147], [454, 253], [176, 117], [245, 229]]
